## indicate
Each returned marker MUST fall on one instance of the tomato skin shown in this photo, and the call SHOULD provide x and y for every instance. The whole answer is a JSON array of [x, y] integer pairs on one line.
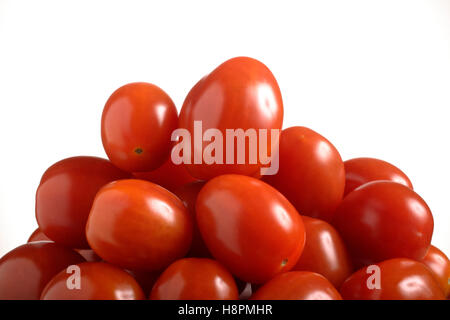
[[239, 93], [311, 173], [382, 220], [400, 279], [439, 265], [359, 171], [99, 281], [138, 225], [38, 235], [25, 270], [137, 123], [65, 195], [195, 279], [325, 252], [297, 285], [236, 214]]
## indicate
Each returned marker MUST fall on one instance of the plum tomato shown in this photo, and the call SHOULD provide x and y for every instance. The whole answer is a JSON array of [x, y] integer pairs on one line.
[[137, 123], [241, 93], [249, 227], [325, 252], [359, 171], [195, 279], [96, 281], [383, 220], [394, 279], [311, 173], [65, 194], [138, 225], [297, 285], [25, 271], [439, 265]]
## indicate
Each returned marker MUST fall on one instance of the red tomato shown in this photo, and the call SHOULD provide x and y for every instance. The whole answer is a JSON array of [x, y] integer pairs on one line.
[[249, 227], [25, 271], [138, 225], [241, 93], [382, 220], [38, 235], [399, 279], [359, 171], [195, 279], [325, 252], [97, 281], [439, 265], [137, 124], [297, 285], [311, 173], [65, 194], [146, 279]]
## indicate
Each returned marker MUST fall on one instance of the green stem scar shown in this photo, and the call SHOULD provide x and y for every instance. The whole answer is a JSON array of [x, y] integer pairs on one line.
[[138, 150], [284, 262]]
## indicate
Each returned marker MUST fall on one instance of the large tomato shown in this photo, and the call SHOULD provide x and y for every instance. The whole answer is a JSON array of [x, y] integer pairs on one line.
[[138, 225], [439, 264], [382, 220], [311, 173], [241, 93], [65, 194], [249, 227]]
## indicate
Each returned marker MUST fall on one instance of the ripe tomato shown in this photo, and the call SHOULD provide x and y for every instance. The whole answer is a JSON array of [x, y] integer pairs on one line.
[[399, 279], [25, 271], [439, 265], [311, 173], [297, 285], [97, 281], [65, 194], [138, 225], [38, 235], [359, 171], [249, 227], [241, 93], [382, 220], [325, 252], [146, 279], [195, 279], [137, 124]]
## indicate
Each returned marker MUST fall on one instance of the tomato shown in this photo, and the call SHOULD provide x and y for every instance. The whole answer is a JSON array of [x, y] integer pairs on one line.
[[325, 252], [399, 279], [249, 227], [138, 225], [359, 171], [65, 194], [188, 194], [38, 235], [382, 220], [137, 124], [97, 281], [311, 173], [439, 265], [195, 279], [146, 279], [297, 285], [241, 93], [25, 271]]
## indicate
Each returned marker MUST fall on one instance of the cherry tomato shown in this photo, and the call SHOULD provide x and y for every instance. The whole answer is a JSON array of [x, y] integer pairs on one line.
[[137, 124], [439, 265], [249, 227], [382, 220], [311, 173], [195, 279], [399, 279], [325, 252], [138, 225], [241, 93], [25, 271], [297, 285], [38, 235], [359, 171], [97, 281], [65, 194]]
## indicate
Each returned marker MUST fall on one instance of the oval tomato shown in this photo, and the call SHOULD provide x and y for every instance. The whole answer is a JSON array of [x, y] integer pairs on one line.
[[439, 264], [249, 227]]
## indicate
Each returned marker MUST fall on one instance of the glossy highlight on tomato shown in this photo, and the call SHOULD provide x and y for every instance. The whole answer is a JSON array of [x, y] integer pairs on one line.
[[439, 265]]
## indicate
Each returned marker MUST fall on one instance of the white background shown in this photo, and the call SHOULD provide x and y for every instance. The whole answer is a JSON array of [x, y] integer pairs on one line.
[[371, 76]]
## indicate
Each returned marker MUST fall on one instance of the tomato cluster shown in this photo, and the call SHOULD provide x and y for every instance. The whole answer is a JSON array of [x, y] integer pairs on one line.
[[141, 226]]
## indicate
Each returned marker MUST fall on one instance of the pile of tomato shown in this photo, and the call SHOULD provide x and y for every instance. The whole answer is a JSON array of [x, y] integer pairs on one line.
[[139, 226]]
